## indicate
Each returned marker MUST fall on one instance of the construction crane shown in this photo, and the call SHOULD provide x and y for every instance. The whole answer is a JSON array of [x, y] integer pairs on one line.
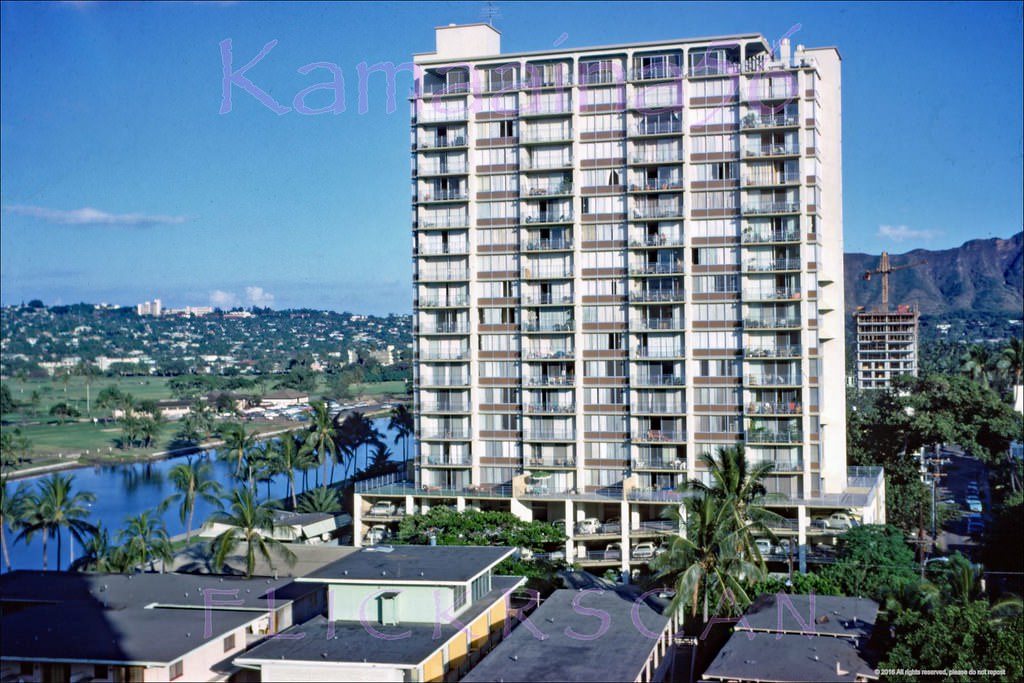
[[884, 269]]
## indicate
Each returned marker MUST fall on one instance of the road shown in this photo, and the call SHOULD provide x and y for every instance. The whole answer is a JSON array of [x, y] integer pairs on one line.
[[962, 470]]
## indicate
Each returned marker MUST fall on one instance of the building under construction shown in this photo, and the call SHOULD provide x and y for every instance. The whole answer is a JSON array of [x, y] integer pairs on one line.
[[886, 339]]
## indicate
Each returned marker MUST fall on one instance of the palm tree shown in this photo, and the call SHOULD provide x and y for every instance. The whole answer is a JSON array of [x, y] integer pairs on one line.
[[290, 456], [250, 523], [11, 502], [321, 435], [358, 430], [98, 555], [319, 500], [403, 424], [145, 540], [150, 427], [706, 563], [193, 480], [54, 507], [1011, 361], [975, 363], [88, 372], [237, 441]]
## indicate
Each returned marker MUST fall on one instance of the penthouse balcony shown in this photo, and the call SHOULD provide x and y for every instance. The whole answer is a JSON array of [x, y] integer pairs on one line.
[[548, 327], [769, 236], [650, 380], [773, 380], [777, 294], [768, 151], [754, 121], [656, 295], [551, 408], [763, 208], [656, 269], [549, 217], [768, 352], [656, 72], [753, 180], [771, 323], [659, 436], [752, 266], [549, 245]]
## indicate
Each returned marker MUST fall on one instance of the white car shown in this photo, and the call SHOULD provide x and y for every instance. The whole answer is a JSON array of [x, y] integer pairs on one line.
[[644, 551], [764, 546], [382, 508], [840, 520], [590, 525], [377, 534]]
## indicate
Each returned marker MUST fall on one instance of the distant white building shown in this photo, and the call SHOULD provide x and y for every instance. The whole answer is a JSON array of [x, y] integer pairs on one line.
[[153, 308]]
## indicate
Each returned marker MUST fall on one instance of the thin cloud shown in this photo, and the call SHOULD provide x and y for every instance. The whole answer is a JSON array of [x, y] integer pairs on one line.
[[90, 216], [256, 296], [221, 299], [902, 233]]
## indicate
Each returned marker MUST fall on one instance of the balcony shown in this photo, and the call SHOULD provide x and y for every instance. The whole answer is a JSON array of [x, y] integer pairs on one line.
[[656, 324], [656, 185], [453, 222], [772, 179], [769, 236], [774, 264], [549, 435], [555, 165], [552, 462], [551, 408], [540, 108], [656, 72], [753, 121], [779, 293], [442, 250], [774, 436], [444, 434], [657, 295], [714, 67], [548, 327], [444, 355], [656, 269], [550, 380], [547, 299], [549, 217], [773, 380], [443, 196], [659, 381], [770, 408], [771, 151], [442, 143], [646, 352], [549, 355], [445, 381], [538, 137], [537, 273], [770, 323], [659, 436], [763, 352], [444, 407], [659, 464], [431, 114], [660, 408], [782, 466], [549, 245], [657, 241], [657, 212], [444, 328], [658, 128], [656, 156], [449, 461], [771, 207], [440, 302], [546, 190]]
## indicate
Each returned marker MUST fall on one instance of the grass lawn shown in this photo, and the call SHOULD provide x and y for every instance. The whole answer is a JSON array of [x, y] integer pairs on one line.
[[52, 391], [379, 388]]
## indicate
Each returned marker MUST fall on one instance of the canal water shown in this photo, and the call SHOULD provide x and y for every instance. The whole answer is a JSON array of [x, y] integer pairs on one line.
[[128, 489]]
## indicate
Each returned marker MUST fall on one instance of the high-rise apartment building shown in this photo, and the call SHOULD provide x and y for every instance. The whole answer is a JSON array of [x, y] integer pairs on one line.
[[886, 345], [624, 257]]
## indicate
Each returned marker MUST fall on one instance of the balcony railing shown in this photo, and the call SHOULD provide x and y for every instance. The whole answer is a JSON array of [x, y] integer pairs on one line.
[[540, 108], [442, 249], [444, 407], [548, 327], [660, 407], [773, 380], [657, 156], [770, 408], [443, 275], [551, 408], [550, 435], [773, 436], [535, 273], [444, 328], [656, 323], [538, 136], [431, 114], [549, 355], [645, 352], [442, 143], [444, 434], [656, 269], [782, 465], [443, 195], [550, 380], [771, 207], [656, 72], [549, 217], [772, 179], [657, 241], [776, 121], [551, 462], [657, 295], [653, 185], [449, 460], [771, 151], [449, 302], [446, 355], [541, 299], [781, 351], [547, 190], [770, 323], [445, 380], [658, 211], [764, 236], [659, 380], [549, 245], [531, 165], [772, 294], [774, 264], [658, 464], [456, 222], [658, 128], [660, 436], [713, 67]]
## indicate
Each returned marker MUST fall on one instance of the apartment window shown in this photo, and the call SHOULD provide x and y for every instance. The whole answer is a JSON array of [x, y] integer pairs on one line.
[[501, 78], [603, 123], [499, 422], [229, 643], [606, 423], [725, 311], [723, 227], [718, 396], [720, 367], [614, 341], [599, 71], [177, 670], [604, 450], [715, 256], [605, 368], [718, 424], [716, 144], [708, 284], [605, 396], [604, 232], [459, 597]]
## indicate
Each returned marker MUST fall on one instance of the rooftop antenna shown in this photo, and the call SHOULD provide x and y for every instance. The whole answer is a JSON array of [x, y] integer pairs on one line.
[[489, 12]]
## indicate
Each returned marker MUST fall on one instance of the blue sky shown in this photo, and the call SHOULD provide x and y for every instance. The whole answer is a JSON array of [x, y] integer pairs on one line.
[[121, 180]]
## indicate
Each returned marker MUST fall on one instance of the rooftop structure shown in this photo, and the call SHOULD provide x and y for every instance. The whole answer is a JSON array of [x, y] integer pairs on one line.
[[625, 257]]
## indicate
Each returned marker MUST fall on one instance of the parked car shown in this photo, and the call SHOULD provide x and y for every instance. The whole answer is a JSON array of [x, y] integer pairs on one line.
[[612, 526], [382, 508], [972, 488], [764, 546], [378, 533], [645, 551], [840, 520], [783, 547], [558, 524], [975, 525], [590, 525], [613, 551], [974, 504]]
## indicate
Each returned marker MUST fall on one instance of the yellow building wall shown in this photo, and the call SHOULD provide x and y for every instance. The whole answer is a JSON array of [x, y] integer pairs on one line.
[[433, 668]]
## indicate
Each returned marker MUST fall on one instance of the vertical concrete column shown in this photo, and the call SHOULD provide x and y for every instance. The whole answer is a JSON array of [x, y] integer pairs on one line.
[[802, 520], [357, 520], [460, 504]]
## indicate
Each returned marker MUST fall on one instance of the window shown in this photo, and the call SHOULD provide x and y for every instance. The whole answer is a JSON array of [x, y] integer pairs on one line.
[[501, 78], [229, 643], [459, 598], [599, 71], [177, 670]]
